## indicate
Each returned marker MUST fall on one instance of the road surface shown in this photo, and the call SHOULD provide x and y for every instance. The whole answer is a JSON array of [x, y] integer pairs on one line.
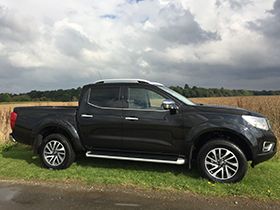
[[19, 194]]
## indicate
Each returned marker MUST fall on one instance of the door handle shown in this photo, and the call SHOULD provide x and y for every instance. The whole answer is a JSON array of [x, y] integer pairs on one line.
[[132, 118], [87, 115]]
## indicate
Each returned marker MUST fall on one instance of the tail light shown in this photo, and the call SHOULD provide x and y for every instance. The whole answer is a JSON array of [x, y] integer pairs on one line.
[[13, 119]]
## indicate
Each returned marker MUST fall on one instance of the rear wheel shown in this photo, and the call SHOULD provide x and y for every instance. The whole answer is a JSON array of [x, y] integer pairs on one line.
[[222, 161], [56, 152]]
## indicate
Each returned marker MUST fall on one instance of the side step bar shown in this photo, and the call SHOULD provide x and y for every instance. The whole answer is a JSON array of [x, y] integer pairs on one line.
[[179, 161]]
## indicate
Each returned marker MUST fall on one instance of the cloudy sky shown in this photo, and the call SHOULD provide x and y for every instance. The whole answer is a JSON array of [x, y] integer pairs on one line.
[[48, 45]]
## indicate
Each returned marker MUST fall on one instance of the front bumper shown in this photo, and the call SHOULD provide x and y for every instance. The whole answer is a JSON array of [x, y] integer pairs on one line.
[[12, 139], [267, 148]]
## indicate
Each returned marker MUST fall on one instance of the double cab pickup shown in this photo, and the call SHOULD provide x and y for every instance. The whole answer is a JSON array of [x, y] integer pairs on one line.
[[138, 120]]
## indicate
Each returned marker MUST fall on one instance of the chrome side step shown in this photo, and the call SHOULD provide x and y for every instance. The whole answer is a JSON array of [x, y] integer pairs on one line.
[[179, 161]]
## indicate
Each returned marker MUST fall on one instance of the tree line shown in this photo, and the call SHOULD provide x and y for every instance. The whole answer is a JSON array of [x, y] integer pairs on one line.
[[222, 92], [34, 95], [74, 94]]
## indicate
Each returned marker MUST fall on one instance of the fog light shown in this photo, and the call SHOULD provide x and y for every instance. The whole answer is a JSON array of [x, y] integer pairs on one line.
[[268, 146]]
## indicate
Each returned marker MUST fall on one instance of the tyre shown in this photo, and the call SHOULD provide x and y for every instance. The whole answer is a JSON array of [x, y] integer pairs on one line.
[[222, 161], [56, 152]]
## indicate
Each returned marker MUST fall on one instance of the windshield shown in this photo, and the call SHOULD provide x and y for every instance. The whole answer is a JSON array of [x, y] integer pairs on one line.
[[177, 95]]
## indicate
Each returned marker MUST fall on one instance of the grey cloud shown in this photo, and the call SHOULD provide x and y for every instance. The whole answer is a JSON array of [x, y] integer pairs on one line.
[[15, 27], [9, 76], [234, 4], [276, 8], [224, 76], [269, 26], [173, 26], [182, 28], [71, 42], [41, 79], [249, 73], [7, 71]]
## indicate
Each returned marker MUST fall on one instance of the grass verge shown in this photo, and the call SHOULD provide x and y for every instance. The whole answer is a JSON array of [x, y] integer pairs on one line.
[[262, 182]]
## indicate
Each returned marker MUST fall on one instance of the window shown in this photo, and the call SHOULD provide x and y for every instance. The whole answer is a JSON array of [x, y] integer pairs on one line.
[[177, 95], [105, 97], [139, 98]]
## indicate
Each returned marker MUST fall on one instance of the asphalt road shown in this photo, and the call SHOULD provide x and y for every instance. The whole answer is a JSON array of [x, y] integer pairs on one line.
[[19, 194]]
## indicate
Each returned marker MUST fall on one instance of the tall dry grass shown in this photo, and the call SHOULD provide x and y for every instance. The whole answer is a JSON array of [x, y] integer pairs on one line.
[[266, 105], [6, 109], [5, 128]]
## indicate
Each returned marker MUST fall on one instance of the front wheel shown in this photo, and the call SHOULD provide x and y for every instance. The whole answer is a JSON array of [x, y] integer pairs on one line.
[[56, 152], [222, 161]]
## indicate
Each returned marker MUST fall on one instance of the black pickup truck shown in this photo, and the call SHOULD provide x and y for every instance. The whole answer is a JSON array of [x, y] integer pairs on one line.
[[138, 120]]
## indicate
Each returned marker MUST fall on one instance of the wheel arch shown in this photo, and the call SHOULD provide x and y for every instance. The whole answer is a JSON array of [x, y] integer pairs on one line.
[[235, 133], [228, 135], [47, 127]]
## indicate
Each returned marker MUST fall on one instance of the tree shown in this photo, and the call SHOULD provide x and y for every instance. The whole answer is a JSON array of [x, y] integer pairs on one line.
[[5, 97], [186, 93], [186, 86], [244, 93], [22, 97], [177, 89], [66, 97]]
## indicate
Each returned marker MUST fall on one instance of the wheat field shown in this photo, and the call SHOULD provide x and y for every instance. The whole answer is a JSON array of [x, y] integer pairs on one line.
[[266, 105]]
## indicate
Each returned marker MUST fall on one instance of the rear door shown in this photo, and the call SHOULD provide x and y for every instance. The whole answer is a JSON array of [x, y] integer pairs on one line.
[[100, 117], [147, 127]]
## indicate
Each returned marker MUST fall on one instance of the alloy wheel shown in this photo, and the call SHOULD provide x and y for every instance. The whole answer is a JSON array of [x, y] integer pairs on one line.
[[54, 153], [221, 163]]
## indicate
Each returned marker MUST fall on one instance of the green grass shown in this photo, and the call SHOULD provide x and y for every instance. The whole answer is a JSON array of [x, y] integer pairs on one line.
[[18, 162]]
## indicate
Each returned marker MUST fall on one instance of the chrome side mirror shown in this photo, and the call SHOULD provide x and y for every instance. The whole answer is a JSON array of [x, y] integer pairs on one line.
[[169, 104]]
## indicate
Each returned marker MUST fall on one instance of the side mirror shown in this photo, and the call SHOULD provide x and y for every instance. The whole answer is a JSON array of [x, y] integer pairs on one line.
[[169, 104]]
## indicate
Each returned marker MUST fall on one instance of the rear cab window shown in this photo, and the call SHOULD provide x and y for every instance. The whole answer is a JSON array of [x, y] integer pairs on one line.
[[109, 97]]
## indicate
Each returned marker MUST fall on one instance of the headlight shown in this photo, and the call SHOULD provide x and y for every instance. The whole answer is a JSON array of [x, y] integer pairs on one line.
[[258, 122]]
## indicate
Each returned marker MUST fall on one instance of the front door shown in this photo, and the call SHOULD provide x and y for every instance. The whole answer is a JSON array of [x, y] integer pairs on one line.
[[147, 127]]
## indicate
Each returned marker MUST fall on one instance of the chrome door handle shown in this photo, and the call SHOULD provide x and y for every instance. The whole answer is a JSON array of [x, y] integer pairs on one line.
[[132, 118], [87, 115]]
